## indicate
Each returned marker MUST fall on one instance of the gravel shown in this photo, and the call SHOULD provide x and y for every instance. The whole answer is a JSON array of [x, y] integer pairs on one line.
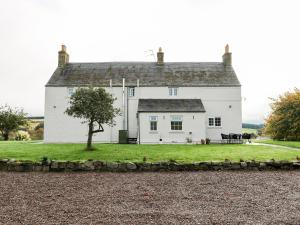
[[150, 198]]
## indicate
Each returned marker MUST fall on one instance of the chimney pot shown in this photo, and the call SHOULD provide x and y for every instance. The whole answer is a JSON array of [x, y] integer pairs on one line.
[[227, 60], [63, 56], [160, 57]]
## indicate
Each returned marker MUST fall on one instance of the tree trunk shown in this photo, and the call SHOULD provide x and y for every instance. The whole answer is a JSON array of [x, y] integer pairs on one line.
[[90, 136], [5, 136]]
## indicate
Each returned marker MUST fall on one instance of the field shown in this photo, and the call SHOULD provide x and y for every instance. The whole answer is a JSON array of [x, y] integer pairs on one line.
[[249, 131], [153, 153], [293, 144]]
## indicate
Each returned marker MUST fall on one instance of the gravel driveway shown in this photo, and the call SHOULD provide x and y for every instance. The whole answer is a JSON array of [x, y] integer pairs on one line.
[[150, 198]]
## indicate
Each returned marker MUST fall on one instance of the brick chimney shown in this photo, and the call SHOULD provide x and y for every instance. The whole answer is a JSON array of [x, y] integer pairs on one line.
[[227, 56], [160, 57], [63, 56]]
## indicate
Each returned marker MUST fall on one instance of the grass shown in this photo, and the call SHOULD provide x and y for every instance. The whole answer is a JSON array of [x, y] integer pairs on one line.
[[135, 153], [249, 131], [294, 144]]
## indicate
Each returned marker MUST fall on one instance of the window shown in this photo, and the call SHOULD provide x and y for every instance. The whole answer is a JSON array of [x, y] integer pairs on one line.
[[218, 121], [153, 123], [210, 122], [176, 122], [70, 91], [173, 91], [214, 122], [131, 91]]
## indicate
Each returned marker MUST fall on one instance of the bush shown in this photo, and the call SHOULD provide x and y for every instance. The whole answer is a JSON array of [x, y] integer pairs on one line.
[[207, 140], [22, 136], [202, 141], [37, 134]]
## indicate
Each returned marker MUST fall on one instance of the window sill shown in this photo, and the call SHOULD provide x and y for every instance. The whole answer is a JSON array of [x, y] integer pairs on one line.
[[214, 127], [176, 132], [153, 132]]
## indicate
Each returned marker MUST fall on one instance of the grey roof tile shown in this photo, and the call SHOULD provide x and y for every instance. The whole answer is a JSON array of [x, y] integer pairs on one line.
[[148, 73], [170, 105]]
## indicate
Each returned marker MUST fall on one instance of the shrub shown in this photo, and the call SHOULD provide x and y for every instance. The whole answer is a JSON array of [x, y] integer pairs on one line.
[[37, 134], [22, 136], [189, 140], [207, 140], [202, 141]]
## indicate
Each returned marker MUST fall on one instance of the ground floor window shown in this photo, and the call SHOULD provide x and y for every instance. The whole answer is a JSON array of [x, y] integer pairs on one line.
[[214, 122], [176, 122], [153, 123]]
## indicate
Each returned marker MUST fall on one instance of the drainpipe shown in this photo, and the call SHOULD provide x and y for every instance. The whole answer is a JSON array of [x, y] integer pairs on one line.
[[127, 105], [139, 130], [111, 128], [123, 103]]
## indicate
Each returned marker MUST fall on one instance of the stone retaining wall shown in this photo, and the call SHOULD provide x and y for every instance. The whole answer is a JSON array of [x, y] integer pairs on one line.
[[91, 165]]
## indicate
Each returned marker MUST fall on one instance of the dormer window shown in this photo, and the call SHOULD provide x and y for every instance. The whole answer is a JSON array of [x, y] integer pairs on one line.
[[131, 92], [173, 91]]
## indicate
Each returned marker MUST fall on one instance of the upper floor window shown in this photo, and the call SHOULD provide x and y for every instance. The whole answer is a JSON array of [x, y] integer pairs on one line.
[[71, 91], [131, 92], [176, 122], [173, 91], [153, 123], [214, 122]]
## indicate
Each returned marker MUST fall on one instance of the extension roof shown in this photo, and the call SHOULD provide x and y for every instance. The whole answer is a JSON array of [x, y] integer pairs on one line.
[[189, 74], [170, 105]]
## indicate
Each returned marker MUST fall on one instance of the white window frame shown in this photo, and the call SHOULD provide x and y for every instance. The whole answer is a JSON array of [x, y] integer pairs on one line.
[[131, 92], [176, 118], [218, 117], [153, 119], [214, 121], [173, 91], [71, 91]]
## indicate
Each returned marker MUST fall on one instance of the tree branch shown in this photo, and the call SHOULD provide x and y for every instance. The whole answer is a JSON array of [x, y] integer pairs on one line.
[[99, 130]]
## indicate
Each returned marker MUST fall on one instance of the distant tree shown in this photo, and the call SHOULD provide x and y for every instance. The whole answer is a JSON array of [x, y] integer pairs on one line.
[[283, 122], [95, 106], [10, 120]]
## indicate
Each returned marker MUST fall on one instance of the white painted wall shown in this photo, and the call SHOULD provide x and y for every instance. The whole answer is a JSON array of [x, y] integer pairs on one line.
[[61, 128], [217, 101], [193, 126]]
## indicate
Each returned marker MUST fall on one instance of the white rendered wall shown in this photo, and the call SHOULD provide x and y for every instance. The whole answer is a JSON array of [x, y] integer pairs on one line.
[[193, 127], [61, 128], [224, 102]]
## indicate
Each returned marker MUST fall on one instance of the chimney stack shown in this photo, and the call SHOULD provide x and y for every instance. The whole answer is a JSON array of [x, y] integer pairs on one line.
[[160, 57], [227, 56], [63, 56]]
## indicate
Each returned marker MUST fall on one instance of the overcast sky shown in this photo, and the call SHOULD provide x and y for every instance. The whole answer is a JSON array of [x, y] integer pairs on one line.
[[264, 38]]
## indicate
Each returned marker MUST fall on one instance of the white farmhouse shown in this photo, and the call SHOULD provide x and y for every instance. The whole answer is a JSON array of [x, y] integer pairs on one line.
[[161, 102]]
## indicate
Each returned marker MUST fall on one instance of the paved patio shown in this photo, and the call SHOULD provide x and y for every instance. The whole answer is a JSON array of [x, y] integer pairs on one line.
[[150, 198]]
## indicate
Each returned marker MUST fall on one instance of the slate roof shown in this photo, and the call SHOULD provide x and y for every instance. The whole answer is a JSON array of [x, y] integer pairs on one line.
[[170, 105], [181, 74]]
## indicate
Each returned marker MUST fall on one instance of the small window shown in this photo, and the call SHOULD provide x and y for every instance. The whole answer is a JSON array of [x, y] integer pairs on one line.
[[211, 122], [173, 91], [70, 91], [176, 122], [214, 122], [218, 121], [153, 123], [131, 92]]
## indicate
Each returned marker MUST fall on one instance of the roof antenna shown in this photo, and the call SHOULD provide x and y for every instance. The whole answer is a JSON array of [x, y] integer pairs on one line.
[[151, 53]]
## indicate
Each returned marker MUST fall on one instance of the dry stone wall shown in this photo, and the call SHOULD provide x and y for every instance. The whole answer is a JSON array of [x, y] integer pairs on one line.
[[93, 165]]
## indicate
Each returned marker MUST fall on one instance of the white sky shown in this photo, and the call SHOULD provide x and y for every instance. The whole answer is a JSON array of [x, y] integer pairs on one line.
[[264, 38]]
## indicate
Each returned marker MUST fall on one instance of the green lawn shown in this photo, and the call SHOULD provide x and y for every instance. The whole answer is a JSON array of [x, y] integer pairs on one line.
[[249, 131], [135, 153], [295, 144]]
